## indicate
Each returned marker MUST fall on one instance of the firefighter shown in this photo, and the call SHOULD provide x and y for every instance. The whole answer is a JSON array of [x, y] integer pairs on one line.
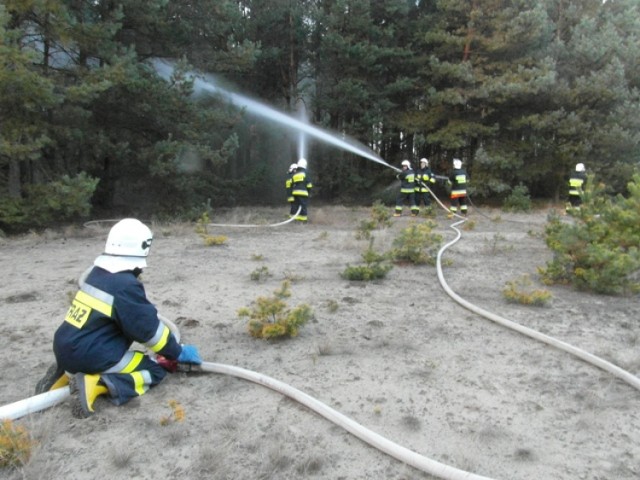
[[424, 179], [576, 186], [407, 190], [459, 180], [301, 187], [107, 314], [289, 187]]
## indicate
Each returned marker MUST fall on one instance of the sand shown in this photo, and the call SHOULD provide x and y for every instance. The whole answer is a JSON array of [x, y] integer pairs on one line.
[[399, 356]]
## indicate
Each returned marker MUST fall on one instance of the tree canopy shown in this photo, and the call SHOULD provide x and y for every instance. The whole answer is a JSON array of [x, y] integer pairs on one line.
[[520, 91]]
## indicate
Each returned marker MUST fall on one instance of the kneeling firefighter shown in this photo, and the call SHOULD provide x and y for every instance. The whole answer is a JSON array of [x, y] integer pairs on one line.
[[108, 314]]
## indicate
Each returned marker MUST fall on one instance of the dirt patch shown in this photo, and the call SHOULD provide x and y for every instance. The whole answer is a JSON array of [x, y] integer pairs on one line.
[[399, 356]]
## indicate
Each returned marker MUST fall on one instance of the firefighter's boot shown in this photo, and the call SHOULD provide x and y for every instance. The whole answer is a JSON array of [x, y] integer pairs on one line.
[[85, 389], [53, 379]]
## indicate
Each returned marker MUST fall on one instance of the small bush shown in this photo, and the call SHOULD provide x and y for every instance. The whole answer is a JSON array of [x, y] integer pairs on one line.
[[417, 244], [45, 204], [374, 266], [380, 218], [176, 415], [380, 214], [15, 445], [270, 317], [260, 274], [522, 291], [518, 201], [202, 229], [599, 250]]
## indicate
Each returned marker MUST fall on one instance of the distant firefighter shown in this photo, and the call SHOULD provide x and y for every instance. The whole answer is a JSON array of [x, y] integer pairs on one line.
[[459, 180], [577, 181], [424, 179], [301, 188], [289, 188], [406, 194]]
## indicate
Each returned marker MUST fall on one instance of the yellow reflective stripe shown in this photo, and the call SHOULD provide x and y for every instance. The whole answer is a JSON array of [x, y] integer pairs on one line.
[[461, 178], [576, 182], [133, 364], [95, 303], [139, 383], [160, 339]]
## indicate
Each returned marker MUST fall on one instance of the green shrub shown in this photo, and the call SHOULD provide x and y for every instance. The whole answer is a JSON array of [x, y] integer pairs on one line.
[[260, 274], [417, 244], [380, 218], [522, 291], [597, 251], [375, 266], [202, 229], [380, 214], [45, 204], [270, 317], [518, 201]]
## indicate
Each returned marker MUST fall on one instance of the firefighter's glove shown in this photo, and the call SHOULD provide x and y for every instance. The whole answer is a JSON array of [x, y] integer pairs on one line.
[[189, 354], [169, 365]]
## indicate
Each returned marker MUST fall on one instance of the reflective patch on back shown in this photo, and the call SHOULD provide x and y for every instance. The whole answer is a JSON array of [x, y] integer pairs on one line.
[[84, 303]]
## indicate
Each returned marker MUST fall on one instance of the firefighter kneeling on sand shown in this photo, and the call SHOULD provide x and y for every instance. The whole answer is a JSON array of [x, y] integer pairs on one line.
[[108, 314]]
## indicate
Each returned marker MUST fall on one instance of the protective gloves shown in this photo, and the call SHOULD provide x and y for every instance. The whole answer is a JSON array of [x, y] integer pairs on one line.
[[189, 354]]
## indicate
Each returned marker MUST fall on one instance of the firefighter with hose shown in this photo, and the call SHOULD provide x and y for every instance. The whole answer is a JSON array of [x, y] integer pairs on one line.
[[108, 314], [458, 181]]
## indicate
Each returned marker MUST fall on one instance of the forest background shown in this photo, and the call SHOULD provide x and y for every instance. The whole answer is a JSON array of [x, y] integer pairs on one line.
[[519, 90]]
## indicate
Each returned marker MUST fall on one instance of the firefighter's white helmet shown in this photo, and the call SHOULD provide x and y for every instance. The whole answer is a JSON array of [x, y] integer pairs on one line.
[[457, 163], [424, 161], [293, 167], [580, 167], [302, 163], [127, 246], [406, 163]]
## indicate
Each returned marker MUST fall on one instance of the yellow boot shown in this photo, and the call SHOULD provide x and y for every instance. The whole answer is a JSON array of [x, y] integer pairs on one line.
[[53, 379], [88, 388]]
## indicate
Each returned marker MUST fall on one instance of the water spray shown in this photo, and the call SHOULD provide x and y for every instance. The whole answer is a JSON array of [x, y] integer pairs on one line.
[[207, 84], [302, 137]]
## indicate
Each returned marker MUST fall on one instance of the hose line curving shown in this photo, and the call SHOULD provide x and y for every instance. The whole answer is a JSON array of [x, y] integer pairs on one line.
[[583, 355]]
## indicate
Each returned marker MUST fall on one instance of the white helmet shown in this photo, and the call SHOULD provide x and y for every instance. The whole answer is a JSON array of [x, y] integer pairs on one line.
[[293, 167], [457, 163], [425, 161], [406, 163], [127, 246], [302, 163], [580, 167]]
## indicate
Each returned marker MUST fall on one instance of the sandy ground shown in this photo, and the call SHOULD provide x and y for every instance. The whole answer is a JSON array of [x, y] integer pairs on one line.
[[399, 356]]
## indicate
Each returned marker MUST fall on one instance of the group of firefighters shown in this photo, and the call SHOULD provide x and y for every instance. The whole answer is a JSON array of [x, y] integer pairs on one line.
[[414, 188]]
